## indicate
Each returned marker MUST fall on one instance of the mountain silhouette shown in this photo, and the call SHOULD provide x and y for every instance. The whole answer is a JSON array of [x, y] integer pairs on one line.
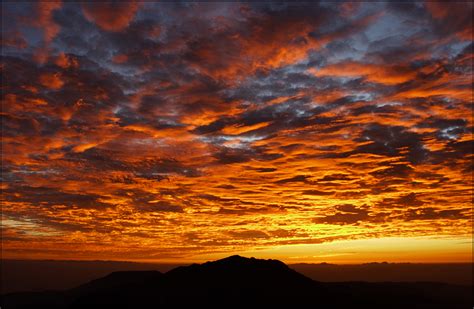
[[239, 281]]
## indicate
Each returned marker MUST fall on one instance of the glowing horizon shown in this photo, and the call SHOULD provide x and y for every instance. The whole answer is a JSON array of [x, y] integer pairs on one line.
[[138, 131]]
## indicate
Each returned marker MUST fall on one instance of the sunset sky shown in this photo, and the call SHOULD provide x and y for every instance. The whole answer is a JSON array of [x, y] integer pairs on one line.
[[332, 132]]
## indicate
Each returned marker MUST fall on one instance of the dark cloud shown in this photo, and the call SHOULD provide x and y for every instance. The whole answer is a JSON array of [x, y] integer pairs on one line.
[[401, 170], [390, 140], [266, 169], [228, 155], [229, 187], [336, 177], [297, 178], [403, 201], [317, 192], [345, 214], [249, 234], [152, 168], [431, 213], [45, 197]]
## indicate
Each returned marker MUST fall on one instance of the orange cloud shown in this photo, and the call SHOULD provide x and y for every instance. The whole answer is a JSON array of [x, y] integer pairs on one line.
[[455, 17], [110, 16], [65, 61], [236, 129], [45, 19], [121, 58], [383, 74], [13, 40], [264, 49], [51, 81]]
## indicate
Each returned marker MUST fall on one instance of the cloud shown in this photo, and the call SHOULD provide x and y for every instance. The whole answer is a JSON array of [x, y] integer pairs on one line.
[[431, 213], [372, 72], [44, 197], [249, 234], [51, 81], [45, 19], [390, 140], [317, 192], [452, 17], [297, 178], [345, 214], [198, 128], [404, 201], [110, 16], [66, 61]]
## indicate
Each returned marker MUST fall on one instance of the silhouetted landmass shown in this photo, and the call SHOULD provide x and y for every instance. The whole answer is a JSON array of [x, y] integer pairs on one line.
[[40, 275], [240, 281]]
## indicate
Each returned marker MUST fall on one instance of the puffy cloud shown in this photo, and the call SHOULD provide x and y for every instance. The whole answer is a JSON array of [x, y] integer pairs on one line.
[[455, 17], [45, 19], [51, 81], [110, 16]]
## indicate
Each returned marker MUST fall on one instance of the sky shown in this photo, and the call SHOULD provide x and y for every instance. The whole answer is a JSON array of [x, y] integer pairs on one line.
[[333, 131]]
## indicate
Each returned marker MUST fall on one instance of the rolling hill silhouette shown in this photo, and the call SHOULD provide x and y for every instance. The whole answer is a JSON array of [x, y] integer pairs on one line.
[[239, 281]]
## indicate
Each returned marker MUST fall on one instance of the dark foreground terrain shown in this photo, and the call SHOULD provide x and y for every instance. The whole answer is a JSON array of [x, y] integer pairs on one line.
[[40, 275], [241, 281]]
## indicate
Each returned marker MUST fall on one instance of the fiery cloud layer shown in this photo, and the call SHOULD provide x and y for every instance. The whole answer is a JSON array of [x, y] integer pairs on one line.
[[144, 130]]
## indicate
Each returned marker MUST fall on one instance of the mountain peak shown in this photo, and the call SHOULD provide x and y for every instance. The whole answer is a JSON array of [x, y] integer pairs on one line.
[[239, 271], [236, 257], [237, 260]]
